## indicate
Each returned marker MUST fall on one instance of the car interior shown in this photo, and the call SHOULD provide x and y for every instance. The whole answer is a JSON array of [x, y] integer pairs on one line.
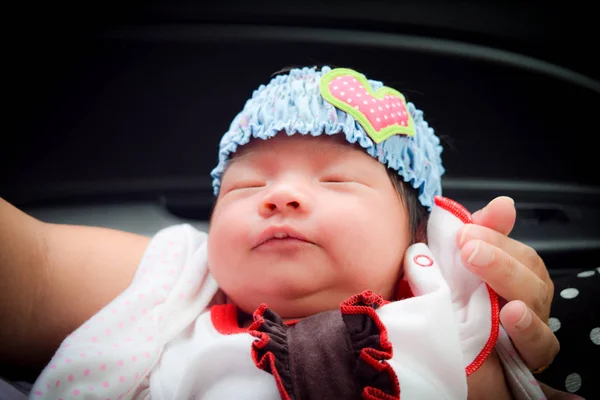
[[118, 109]]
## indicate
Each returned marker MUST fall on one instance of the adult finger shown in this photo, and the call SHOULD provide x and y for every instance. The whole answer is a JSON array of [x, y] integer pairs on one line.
[[532, 337], [507, 276], [499, 215], [523, 253]]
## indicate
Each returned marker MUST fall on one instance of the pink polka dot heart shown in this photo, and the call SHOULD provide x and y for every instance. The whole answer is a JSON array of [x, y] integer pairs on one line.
[[382, 114]]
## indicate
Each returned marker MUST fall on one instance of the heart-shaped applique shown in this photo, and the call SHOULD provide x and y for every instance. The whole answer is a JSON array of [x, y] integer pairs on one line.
[[382, 114]]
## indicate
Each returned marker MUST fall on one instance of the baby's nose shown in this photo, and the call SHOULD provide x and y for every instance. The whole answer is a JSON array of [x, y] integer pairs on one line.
[[284, 199]]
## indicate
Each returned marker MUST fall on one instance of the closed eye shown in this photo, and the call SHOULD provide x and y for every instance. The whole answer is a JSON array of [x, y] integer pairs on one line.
[[248, 185], [342, 182], [336, 180], [240, 186]]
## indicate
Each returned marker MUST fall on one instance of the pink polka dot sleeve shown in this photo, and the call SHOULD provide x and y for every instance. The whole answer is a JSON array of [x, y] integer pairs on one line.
[[112, 354]]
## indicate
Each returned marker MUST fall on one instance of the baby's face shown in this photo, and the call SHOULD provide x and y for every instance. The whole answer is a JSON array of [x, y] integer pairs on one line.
[[302, 223]]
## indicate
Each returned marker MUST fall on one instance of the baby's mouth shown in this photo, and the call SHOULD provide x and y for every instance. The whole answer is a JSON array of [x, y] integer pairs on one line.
[[281, 236]]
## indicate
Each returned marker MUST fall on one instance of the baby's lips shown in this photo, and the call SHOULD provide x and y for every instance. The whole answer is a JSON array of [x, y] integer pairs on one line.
[[280, 231]]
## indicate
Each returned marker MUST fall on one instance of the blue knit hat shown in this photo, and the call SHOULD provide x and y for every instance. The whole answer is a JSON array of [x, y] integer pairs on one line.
[[309, 101]]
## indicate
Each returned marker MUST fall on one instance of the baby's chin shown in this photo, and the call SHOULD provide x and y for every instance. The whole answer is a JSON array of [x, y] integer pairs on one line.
[[292, 289], [292, 307]]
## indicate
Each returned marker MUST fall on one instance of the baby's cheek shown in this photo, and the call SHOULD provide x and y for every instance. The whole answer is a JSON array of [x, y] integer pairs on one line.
[[488, 381], [224, 250], [228, 232]]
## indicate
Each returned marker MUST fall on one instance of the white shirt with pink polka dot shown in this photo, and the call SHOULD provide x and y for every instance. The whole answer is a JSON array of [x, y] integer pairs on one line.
[[110, 355]]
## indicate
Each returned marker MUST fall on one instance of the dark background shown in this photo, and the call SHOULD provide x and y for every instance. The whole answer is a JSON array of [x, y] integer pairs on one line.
[[116, 103]]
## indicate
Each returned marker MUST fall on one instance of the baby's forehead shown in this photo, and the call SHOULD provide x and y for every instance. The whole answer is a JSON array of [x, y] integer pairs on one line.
[[306, 145]]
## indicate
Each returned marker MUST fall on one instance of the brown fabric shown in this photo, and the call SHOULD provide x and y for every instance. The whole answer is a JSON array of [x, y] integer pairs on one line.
[[321, 359], [364, 334], [320, 356], [278, 345], [313, 358]]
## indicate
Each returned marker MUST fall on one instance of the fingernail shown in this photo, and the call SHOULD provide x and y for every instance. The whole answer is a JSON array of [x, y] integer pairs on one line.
[[502, 197], [511, 199], [525, 320], [482, 255]]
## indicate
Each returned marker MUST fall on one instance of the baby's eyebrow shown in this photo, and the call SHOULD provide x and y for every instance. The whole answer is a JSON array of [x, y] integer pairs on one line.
[[227, 166], [236, 159], [334, 148]]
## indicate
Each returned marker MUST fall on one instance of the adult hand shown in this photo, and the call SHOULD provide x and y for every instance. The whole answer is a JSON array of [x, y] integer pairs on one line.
[[518, 274]]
